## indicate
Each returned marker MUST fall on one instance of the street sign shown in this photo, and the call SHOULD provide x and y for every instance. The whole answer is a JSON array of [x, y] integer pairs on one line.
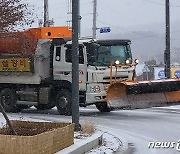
[[161, 74], [177, 74], [105, 30]]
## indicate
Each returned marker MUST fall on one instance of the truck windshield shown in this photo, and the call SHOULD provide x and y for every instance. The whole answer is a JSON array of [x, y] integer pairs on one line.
[[104, 55]]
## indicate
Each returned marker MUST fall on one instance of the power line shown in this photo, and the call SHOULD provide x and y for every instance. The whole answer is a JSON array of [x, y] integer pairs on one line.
[[135, 32], [144, 36], [162, 4], [117, 12]]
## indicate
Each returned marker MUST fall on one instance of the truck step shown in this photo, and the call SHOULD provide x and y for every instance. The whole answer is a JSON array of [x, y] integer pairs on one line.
[[26, 103], [32, 93]]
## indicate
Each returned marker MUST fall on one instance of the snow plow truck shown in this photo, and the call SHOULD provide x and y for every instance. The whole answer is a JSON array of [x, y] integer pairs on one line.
[[36, 70]]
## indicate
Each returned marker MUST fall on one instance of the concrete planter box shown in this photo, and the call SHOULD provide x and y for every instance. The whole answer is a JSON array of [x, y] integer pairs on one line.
[[37, 138]]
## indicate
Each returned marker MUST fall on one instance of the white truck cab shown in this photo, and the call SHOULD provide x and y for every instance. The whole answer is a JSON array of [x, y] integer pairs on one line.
[[95, 58]]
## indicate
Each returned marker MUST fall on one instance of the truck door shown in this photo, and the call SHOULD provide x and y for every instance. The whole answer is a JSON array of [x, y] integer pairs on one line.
[[63, 65]]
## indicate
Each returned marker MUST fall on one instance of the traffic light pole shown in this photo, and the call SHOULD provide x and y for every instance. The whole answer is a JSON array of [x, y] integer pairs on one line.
[[167, 51]]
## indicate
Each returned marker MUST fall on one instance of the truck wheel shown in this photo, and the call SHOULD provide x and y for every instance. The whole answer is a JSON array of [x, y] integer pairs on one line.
[[44, 106], [63, 102], [8, 100], [102, 107]]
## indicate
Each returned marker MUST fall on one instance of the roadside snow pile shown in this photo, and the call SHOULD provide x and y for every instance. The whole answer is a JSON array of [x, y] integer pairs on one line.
[[110, 144]]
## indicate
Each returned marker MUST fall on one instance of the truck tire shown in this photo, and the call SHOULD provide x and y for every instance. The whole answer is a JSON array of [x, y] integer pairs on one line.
[[103, 107], [8, 100], [63, 102]]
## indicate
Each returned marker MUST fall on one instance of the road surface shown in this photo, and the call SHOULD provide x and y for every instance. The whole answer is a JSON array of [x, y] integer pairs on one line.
[[138, 127]]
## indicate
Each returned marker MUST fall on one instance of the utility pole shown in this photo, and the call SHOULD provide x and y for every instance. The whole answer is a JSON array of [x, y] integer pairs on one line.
[[167, 51], [79, 21], [75, 64], [46, 14], [94, 18], [79, 17]]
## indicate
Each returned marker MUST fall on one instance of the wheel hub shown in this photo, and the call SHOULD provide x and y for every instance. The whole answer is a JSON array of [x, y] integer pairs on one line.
[[63, 102], [6, 100]]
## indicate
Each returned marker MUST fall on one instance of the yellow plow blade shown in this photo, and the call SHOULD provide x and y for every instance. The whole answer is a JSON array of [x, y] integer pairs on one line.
[[145, 94]]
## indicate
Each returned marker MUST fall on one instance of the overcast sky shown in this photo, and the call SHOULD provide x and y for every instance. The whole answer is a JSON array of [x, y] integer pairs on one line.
[[120, 15], [141, 21]]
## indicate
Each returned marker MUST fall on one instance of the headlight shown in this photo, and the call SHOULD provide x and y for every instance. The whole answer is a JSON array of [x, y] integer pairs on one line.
[[117, 62], [136, 61], [95, 88], [127, 61]]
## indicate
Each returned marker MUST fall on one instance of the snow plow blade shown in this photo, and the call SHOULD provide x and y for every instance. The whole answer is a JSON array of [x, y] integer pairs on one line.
[[144, 94]]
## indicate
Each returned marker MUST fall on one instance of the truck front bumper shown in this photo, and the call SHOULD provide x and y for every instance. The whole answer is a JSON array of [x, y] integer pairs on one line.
[[92, 98]]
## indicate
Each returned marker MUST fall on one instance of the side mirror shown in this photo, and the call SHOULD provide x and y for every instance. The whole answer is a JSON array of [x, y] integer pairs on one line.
[[95, 45], [57, 58], [136, 61]]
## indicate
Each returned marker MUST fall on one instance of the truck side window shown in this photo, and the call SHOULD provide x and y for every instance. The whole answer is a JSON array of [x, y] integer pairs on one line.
[[58, 53], [69, 55]]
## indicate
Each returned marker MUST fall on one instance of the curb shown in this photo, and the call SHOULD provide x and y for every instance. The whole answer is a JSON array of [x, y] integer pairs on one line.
[[83, 146], [126, 147]]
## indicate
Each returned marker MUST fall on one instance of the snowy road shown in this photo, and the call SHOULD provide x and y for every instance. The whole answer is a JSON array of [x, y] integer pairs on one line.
[[138, 127]]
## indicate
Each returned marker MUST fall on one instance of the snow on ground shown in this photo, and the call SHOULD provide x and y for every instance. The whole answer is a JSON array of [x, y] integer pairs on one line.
[[110, 144], [171, 107]]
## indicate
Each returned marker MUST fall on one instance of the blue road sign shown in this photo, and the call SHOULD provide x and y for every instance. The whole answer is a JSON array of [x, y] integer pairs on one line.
[[177, 74], [161, 74], [105, 30]]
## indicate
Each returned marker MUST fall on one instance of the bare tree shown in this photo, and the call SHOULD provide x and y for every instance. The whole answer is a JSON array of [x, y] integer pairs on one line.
[[14, 13]]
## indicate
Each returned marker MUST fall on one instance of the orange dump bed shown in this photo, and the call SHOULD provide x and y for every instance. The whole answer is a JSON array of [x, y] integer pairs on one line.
[[51, 32], [25, 42]]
